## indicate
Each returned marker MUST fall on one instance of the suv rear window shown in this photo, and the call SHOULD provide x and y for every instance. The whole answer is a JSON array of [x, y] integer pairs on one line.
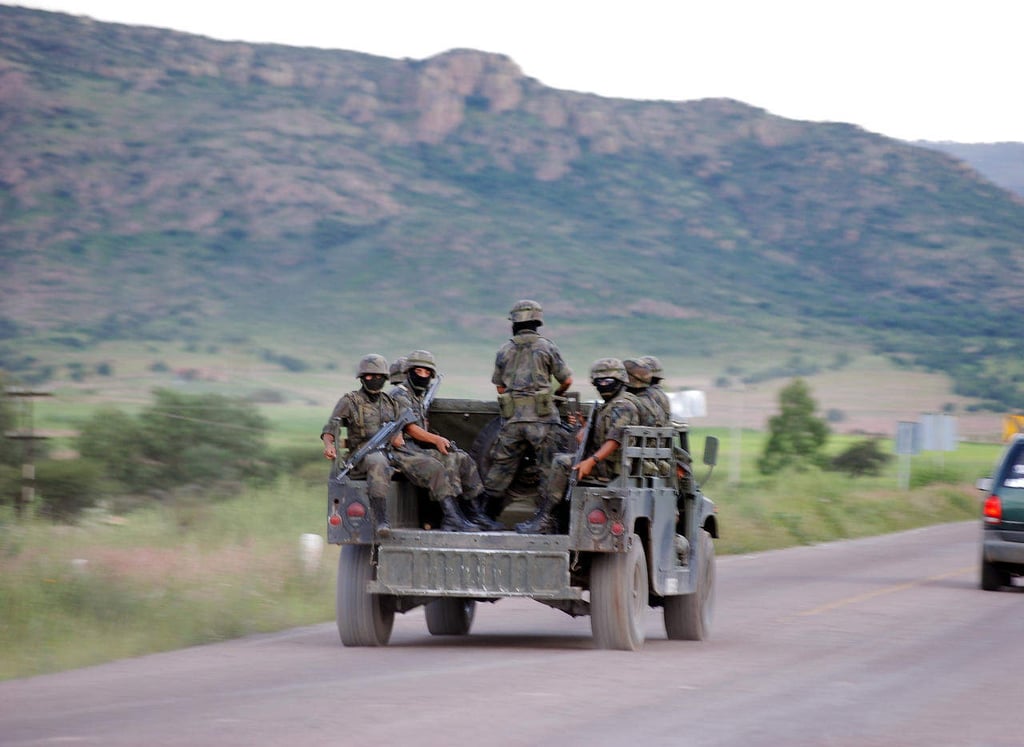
[[1013, 472]]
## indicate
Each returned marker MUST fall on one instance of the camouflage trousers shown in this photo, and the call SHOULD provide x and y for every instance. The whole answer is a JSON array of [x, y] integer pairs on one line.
[[558, 476], [460, 470], [509, 449], [462, 473], [424, 471], [378, 474]]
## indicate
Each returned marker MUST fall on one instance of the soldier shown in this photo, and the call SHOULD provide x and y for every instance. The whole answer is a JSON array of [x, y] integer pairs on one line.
[[461, 471], [397, 371], [363, 412], [655, 390], [652, 412], [619, 410], [523, 369]]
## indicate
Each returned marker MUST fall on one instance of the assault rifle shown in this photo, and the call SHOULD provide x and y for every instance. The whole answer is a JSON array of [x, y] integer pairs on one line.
[[574, 474], [378, 440], [429, 397]]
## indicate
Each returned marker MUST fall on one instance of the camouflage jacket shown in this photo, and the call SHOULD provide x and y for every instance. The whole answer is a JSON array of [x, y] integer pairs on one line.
[[362, 415], [658, 394], [613, 417], [405, 397], [524, 366], [651, 411]]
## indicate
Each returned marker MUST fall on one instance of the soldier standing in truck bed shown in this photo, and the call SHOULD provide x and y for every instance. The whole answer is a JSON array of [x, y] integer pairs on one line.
[[420, 370], [619, 410], [523, 370]]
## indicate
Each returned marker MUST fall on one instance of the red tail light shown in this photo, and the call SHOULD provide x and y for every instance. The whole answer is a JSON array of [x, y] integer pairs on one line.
[[355, 510], [993, 510], [597, 516]]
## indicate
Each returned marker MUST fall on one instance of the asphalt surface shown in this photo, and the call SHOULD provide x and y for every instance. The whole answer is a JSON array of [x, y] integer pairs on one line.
[[883, 641]]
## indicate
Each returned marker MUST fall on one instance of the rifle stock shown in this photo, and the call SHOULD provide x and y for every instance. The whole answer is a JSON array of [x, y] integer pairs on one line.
[[379, 440]]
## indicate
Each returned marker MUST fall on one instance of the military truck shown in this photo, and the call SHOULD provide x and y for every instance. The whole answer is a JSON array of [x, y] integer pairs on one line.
[[642, 539]]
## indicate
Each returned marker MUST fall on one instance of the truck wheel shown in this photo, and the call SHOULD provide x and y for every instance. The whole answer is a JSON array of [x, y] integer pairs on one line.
[[688, 616], [993, 578], [450, 616], [618, 598], [364, 619]]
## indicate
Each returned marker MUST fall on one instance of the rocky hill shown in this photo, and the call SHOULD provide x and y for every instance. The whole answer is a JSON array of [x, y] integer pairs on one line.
[[163, 186]]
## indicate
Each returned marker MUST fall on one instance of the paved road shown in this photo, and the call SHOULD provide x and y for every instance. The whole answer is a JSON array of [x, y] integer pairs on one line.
[[885, 641]]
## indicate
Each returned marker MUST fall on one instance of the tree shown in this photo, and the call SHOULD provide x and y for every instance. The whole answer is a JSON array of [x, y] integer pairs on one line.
[[796, 435], [180, 439]]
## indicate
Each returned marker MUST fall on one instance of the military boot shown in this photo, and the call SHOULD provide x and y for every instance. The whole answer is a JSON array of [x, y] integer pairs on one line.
[[378, 507], [492, 504], [453, 520], [542, 522], [474, 512]]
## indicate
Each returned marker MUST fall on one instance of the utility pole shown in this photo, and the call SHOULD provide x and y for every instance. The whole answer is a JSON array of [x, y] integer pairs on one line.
[[26, 434]]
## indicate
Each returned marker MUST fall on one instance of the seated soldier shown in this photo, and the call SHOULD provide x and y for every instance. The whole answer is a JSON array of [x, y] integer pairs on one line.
[[463, 479], [618, 411], [363, 412]]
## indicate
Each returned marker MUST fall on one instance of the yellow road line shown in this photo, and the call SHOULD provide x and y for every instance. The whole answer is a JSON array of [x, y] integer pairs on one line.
[[881, 592]]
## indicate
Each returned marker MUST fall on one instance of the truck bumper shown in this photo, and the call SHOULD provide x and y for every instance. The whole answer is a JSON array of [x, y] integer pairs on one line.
[[484, 565]]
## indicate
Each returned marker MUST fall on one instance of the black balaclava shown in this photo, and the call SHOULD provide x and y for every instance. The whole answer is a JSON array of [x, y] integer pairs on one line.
[[419, 383], [607, 391], [530, 324], [374, 385]]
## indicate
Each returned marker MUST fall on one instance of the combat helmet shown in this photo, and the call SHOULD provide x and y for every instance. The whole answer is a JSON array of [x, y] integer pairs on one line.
[[526, 310], [639, 374], [609, 368], [654, 366], [421, 359], [397, 371], [372, 364]]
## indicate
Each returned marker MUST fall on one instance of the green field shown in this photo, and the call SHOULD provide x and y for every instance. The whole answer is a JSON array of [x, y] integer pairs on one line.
[[198, 569]]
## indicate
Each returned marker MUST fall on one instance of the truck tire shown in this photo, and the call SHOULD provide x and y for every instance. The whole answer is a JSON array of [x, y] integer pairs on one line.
[[450, 616], [688, 616], [618, 598], [364, 619], [993, 578]]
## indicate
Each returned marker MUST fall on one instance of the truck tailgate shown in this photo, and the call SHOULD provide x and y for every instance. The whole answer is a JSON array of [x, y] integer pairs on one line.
[[483, 565]]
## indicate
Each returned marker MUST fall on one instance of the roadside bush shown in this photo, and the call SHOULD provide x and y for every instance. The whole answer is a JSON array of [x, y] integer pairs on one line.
[[860, 459], [65, 488], [179, 440]]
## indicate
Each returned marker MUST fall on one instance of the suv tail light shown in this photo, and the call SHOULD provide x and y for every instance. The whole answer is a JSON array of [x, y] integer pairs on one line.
[[993, 511]]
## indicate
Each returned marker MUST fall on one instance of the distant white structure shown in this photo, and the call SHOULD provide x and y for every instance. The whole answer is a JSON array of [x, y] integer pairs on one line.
[[689, 403]]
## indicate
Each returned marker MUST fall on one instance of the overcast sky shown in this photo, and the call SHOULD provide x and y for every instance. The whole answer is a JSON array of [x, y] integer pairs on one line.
[[910, 69]]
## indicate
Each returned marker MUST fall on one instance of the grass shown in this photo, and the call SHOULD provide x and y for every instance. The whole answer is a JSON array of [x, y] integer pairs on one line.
[[196, 571], [162, 577]]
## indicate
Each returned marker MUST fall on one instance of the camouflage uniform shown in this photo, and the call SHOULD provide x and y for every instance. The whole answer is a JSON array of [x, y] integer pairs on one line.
[[524, 366], [364, 414], [612, 417], [652, 413], [460, 469], [654, 390]]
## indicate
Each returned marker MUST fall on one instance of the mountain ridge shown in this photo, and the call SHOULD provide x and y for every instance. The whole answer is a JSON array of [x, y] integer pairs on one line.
[[166, 186]]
